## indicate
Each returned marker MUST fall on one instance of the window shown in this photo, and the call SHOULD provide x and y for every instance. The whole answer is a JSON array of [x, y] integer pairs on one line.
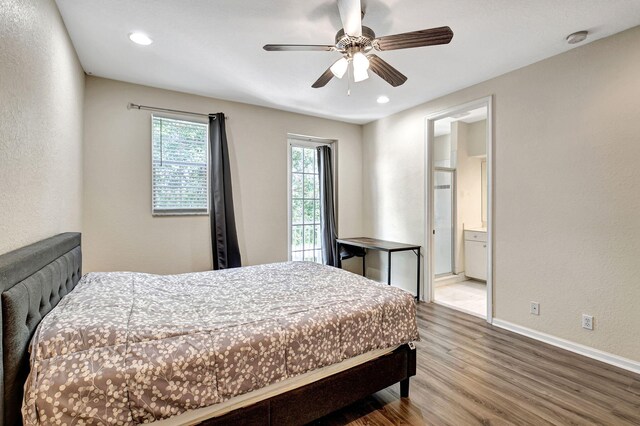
[[305, 242], [179, 167]]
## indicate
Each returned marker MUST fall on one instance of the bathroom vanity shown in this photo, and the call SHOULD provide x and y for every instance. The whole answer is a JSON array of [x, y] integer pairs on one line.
[[475, 253]]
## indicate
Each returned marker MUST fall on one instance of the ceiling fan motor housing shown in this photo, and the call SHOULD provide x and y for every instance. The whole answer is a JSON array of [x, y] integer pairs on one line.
[[346, 42]]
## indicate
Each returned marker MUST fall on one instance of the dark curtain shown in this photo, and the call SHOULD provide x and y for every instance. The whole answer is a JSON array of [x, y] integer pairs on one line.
[[224, 239], [327, 214]]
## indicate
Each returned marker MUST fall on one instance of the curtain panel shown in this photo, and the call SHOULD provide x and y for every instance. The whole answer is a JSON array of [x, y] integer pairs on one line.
[[224, 238], [327, 211]]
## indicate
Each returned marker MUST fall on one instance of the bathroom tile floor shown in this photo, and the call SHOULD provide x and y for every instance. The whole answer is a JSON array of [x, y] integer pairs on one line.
[[469, 296]]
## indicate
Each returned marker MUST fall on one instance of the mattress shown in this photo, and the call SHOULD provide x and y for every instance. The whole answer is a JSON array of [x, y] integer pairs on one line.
[[128, 348]]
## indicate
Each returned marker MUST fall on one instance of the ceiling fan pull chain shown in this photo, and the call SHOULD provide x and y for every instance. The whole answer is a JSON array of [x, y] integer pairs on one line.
[[349, 80]]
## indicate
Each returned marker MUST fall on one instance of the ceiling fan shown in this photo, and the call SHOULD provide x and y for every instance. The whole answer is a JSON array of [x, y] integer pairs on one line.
[[356, 43]]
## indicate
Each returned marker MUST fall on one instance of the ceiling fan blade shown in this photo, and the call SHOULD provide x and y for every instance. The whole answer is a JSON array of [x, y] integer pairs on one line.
[[324, 79], [298, 48], [351, 16], [430, 37], [386, 71]]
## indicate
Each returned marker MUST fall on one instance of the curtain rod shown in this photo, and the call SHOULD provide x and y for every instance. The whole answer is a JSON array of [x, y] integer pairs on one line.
[[131, 105]]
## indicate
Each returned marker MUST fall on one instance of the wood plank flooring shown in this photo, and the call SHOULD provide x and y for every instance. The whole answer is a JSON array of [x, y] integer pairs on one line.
[[471, 373]]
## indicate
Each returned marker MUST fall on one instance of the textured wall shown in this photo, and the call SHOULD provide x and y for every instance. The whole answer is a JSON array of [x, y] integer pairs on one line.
[[567, 234], [119, 231], [41, 101]]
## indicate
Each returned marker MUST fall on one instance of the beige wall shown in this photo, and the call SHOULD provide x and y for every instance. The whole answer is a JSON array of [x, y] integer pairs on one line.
[[41, 97], [119, 231], [477, 136], [567, 232]]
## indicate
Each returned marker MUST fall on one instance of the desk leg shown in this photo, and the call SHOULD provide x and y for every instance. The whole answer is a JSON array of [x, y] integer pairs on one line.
[[337, 260], [418, 275], [389, 268], [364, 266]]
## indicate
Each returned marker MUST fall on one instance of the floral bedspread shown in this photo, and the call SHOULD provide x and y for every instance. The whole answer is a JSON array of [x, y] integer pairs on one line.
[[127, 348]]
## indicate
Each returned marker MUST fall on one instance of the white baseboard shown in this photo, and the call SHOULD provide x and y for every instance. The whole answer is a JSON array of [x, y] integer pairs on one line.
[[618, 361]]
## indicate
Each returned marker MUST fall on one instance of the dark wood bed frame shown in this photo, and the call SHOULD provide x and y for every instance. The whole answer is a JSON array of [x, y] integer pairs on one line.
[[35, 278]]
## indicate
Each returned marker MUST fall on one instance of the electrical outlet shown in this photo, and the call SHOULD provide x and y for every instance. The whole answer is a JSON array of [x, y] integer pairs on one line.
[[587, 321], [535, 308]]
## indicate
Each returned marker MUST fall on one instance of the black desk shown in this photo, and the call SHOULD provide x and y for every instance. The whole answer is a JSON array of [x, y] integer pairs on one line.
[[388, 246]]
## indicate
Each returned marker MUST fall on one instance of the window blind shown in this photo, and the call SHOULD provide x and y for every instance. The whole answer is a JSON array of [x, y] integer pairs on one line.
[[179, 166]]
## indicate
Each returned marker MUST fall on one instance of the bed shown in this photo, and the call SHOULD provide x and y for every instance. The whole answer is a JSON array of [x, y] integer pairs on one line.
[[286, 354]]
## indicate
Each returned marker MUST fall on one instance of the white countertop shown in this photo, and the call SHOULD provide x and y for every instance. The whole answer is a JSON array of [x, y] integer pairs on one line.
[[477, 229]]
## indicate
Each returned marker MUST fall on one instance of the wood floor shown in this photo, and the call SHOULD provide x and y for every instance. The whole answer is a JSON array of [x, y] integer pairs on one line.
[[472, 373]]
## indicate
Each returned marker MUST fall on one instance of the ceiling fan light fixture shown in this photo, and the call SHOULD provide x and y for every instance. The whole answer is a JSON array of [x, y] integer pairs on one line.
[[360, 62], [339, 67], [360, 67], [360, 74]]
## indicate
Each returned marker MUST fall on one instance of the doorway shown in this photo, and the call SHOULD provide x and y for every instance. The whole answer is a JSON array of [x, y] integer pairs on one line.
[[459, 208]]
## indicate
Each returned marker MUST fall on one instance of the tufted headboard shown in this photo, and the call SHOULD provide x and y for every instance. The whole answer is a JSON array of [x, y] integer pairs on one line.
[[33, 279]]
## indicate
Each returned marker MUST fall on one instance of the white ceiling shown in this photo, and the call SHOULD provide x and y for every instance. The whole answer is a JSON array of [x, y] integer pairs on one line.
[[214, 48]]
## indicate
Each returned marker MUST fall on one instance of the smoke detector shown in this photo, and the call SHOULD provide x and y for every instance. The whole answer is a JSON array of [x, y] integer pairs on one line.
[[577, 37]]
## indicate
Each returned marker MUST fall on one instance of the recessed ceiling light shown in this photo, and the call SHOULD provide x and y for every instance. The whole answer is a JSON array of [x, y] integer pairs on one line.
[[577, 37], [140, 38], [383, 99]]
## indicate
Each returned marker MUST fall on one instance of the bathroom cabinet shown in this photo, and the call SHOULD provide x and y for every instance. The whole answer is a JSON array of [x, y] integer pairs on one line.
[[475, 254]]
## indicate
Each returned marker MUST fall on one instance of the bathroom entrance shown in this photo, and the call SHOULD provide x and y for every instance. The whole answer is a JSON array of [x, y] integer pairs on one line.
[[458, 217]]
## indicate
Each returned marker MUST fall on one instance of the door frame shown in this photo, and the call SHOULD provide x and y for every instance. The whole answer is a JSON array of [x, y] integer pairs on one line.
[[429, 194]]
